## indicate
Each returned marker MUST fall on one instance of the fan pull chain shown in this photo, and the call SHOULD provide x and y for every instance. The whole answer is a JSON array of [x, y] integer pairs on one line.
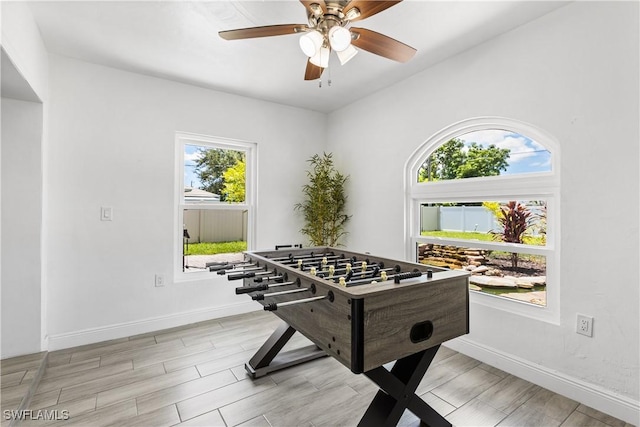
[[328, 79]]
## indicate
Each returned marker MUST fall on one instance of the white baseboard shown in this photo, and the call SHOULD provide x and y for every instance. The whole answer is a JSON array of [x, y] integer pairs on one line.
[[120, 330], [590, 395]]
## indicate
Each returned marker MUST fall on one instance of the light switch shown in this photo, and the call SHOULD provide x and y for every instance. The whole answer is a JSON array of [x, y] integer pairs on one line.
[[106, 213]]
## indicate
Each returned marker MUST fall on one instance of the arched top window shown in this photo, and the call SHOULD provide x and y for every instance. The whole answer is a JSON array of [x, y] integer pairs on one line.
[[489, 152], [483, 195]]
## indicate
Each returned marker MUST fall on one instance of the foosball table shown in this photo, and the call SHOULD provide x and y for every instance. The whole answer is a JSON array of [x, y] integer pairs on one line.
[[364, 311]]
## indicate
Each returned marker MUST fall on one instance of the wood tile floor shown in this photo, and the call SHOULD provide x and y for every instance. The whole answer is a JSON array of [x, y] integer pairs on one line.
[[194, 376]]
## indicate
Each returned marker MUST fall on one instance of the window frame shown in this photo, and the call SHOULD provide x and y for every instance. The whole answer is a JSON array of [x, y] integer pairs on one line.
[[533, 186], [251, 151]]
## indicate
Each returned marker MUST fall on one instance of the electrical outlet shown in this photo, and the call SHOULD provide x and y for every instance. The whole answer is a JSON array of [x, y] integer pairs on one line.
[[159, 280], [584, 326]]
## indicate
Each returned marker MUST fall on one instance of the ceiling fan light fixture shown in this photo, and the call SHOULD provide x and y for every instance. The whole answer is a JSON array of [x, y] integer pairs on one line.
[[346, 55], [352, 14], [321, 59], [316, 9], [311, 42], [339, 38]]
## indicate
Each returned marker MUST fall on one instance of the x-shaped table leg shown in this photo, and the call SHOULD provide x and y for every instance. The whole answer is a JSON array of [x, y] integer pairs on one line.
[[397, 392], [269, 359]]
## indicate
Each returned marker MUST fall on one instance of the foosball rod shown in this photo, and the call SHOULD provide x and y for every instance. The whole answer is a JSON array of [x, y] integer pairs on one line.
[[338, 264], [250, 274], [369, 274], [263, 287], [217, 266], [396, 277], [342, 264], [274, 306], [221, 263], [269, 278], [261, 295], [339, 267], [373, 272], [358, 269], [292, 257], [316, 261], [241, 270]]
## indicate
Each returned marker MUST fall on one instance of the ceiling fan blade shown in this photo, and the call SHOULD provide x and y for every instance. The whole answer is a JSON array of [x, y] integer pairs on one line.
[[368, 8], [266, 31], [382, 45], [312, 72], [307, 4]]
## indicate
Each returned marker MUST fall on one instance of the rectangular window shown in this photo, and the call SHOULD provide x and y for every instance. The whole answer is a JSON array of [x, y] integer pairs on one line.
[[215, 193], [501, 243]]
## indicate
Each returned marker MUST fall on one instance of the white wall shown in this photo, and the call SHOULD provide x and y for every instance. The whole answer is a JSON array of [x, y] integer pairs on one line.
[[573, 73], [23, 283], [21, 226], [114, 136]]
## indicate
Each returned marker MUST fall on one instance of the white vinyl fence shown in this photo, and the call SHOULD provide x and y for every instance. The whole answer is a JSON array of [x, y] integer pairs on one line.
[[209, 225], [458, 218]]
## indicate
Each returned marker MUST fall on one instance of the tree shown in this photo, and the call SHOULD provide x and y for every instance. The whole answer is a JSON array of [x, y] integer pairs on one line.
[[482, 161], [211, 164], [234, 182], [324, 204], [452, 161]]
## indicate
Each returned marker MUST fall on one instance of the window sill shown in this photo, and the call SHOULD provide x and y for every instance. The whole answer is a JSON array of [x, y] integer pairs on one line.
[[521, 308]]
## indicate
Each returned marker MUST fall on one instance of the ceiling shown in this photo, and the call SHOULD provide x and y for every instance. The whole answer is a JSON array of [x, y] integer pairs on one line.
[[178, 40]]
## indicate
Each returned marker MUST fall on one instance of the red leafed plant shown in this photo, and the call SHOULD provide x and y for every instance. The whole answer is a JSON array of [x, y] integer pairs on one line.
[[515, 219]]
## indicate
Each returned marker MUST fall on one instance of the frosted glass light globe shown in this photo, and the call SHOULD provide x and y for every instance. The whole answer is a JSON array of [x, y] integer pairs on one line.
[[311, 42], [339, 38], [346, 54]]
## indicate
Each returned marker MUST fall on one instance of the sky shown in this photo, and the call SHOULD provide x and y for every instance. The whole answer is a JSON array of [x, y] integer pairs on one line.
[[190, 178], [526, 155]]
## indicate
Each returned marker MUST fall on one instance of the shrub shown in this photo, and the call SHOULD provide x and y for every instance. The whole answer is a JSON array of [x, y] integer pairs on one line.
[[325, 202], [515, 219]]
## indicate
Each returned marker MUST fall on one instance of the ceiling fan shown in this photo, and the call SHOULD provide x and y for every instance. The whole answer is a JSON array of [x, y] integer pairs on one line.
[[328, 29]]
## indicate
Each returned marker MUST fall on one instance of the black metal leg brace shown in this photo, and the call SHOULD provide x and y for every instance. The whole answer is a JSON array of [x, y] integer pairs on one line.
[[397, 392], [265, 360]]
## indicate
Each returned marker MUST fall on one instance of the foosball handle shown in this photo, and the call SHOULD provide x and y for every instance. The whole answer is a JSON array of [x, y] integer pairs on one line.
[[271, 307], [249, 289], [242, 276], [401, 276]]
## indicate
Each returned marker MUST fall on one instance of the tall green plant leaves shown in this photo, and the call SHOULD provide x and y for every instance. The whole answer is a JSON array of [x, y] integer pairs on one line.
[[515, 219], [324, 202]]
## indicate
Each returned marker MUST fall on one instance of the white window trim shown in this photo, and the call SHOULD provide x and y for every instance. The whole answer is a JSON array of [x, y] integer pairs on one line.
[[251, 194], [537, 186]]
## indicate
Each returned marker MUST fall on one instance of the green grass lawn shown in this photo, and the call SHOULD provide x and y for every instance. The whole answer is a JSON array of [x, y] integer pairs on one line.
[[474, 235], [467, 235], [207, 248]]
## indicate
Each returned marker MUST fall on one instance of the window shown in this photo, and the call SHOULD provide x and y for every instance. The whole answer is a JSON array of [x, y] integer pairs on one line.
[[483, 195], [215, 199]]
